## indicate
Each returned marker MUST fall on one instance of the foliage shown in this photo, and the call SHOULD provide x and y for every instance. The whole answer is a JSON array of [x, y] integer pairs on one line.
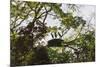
[[29, 27]]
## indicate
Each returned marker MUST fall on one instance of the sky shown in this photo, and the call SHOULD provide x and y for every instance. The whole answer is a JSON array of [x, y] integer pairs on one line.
[[85, 11]]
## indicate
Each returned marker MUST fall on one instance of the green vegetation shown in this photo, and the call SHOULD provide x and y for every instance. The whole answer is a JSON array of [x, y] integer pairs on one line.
[[29, 26]]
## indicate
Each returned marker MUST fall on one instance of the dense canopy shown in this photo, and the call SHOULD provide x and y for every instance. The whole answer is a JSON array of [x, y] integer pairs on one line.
[[30, 33]]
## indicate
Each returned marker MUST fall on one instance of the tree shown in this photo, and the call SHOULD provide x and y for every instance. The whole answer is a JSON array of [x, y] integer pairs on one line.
[[29, 27]]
